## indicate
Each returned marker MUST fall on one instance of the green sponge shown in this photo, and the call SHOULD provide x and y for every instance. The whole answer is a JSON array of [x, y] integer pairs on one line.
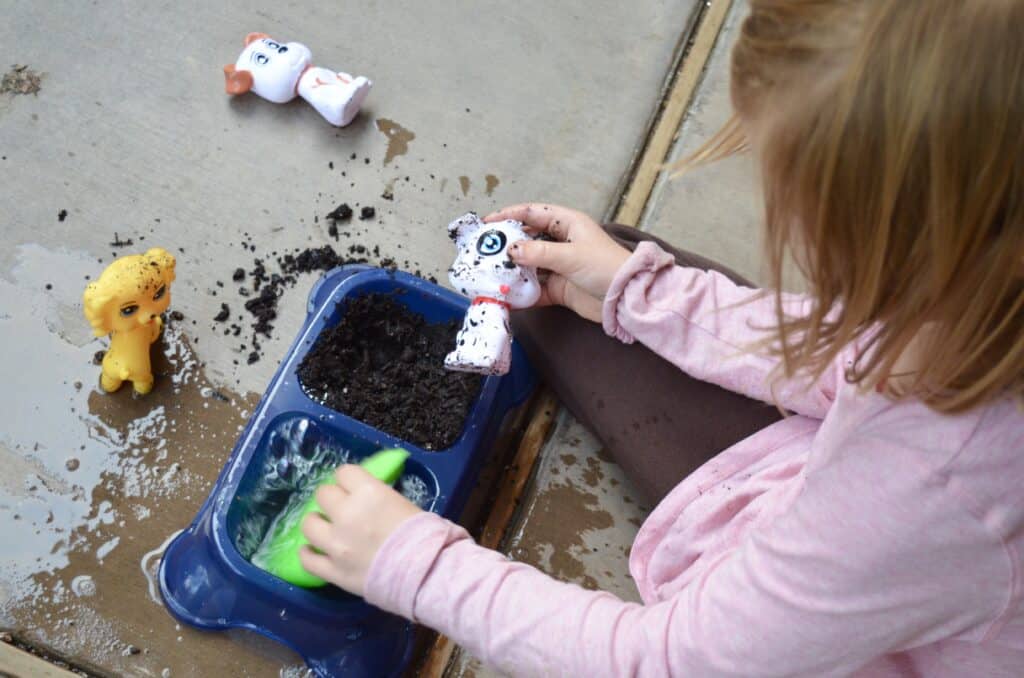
[[279, 553]]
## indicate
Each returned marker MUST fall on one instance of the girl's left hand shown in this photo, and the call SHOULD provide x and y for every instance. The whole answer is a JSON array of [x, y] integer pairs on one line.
[[362, 512]]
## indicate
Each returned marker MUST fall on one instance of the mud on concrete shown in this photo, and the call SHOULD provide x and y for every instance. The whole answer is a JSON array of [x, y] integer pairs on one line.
[[97, 482]]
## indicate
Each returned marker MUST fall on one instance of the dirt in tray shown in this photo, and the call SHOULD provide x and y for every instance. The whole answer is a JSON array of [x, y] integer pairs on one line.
[[384, 365]]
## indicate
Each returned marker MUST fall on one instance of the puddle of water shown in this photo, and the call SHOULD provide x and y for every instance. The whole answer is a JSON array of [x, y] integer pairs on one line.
[[398, 138], [92, 480]]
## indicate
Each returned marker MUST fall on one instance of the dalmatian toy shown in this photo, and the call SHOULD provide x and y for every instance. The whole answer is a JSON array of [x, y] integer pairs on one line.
[[280, 71], [484, 272]]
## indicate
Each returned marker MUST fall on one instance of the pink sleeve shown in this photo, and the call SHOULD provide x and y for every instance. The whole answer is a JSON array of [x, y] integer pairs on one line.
[[705, 324], [864, 564]]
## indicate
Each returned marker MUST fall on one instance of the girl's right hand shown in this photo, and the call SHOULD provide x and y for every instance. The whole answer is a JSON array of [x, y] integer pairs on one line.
[[582, 259]]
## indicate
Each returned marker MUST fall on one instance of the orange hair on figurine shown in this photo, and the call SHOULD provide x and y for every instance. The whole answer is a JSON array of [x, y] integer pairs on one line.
[[126, 302]]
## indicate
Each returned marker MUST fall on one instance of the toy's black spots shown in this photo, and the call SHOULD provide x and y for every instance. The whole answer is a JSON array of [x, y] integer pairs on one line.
[[224, 314], [509, 264], [238, 275], [367, 213], [491, 243]]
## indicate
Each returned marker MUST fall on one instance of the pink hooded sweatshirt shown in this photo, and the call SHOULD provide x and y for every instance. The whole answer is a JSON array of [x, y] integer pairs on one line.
[[858, 536]]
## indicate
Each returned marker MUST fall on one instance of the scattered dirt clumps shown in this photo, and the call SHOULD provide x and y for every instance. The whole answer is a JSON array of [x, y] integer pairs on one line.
[[340, 213], [21, 80], [383, 364]]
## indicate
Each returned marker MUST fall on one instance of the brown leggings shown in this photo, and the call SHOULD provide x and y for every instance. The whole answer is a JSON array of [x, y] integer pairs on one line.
[[657, 422]]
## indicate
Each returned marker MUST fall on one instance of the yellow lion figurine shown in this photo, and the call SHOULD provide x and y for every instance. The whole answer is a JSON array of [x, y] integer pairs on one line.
[[126, 302]]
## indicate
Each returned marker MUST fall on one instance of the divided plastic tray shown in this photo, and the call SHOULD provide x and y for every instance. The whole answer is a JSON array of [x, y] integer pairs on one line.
[[206, 582]]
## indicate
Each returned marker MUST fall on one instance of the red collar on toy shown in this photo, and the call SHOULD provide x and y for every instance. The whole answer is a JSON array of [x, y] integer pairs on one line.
[[491, 300]]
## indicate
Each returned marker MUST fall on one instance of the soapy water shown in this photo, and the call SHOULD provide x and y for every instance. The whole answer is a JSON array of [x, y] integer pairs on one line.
[[150, 565], [299, 457], [83, 586]]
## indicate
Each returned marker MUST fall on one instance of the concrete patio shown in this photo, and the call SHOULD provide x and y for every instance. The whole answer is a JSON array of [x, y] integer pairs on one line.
[[131, 136]]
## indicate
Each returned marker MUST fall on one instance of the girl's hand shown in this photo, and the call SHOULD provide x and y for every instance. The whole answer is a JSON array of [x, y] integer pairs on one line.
[[362, 512], [582, 260]]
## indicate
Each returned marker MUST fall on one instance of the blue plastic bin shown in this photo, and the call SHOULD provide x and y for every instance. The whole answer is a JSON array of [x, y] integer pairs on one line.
[[206, 582]]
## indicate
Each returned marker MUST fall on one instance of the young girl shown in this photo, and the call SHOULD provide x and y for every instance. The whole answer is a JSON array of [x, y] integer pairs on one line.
[[878, 528]]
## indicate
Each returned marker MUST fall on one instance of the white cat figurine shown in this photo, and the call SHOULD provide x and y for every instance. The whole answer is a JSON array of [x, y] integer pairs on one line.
[[281, 71], [484, 272]]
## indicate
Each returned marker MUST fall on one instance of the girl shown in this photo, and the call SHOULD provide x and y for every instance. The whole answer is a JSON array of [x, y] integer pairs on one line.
[[878, 528]]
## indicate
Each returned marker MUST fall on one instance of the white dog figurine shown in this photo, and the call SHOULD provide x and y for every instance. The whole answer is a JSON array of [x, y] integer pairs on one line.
[[280, 71], [484, 272]]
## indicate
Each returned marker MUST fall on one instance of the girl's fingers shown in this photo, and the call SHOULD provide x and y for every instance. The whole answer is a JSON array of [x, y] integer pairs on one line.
[[352, 476], [558, 257], [554, 220], [317, 564], [317, 530], [330, 497]]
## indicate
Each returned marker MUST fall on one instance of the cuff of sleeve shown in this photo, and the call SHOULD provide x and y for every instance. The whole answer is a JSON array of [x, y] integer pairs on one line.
[[405, 559], [645, 261]]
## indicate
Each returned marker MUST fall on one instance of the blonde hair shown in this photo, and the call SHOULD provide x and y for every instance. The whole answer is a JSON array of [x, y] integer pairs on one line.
[[890, 143]]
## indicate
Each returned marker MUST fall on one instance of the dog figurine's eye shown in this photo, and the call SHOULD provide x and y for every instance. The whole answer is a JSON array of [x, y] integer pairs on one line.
[[272, 45], [490, 243], [129, 311], [160, 293], [260, 58], [282, 49]]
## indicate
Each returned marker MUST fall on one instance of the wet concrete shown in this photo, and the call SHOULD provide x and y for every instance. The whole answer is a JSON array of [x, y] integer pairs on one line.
[[398, 138], [492, 183], [96, 482]]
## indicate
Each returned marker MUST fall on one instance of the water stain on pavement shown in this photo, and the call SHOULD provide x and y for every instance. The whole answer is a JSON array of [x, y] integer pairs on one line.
[[94, 481], [559, 520], [491, 184], [398, 138]]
